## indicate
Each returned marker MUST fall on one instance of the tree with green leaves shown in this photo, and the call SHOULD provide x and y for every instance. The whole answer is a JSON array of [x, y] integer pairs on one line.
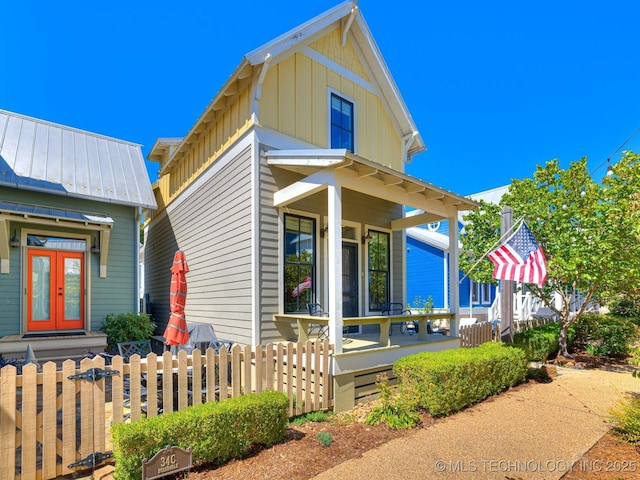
[[589, 232]]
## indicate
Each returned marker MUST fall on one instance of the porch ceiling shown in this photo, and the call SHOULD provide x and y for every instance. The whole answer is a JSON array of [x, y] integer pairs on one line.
[[356, 173]]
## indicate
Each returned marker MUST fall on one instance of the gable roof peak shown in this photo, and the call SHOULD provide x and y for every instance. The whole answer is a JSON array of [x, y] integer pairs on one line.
[[300, 33]]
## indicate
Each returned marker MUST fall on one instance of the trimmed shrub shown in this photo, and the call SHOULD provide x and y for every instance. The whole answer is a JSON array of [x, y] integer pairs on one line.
[[540, 343], [624, 307], [217, 431], [605, 335], [126, 327], [448, 381]]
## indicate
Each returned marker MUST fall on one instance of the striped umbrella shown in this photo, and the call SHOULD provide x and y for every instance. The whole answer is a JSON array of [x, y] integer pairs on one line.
[[176, 332]]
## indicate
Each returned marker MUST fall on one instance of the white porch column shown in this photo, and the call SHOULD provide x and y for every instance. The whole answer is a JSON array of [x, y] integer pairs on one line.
[[453, 275], [334, 236]]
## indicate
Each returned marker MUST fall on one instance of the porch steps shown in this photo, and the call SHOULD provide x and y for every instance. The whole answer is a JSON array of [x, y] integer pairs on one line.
[[54, 347]]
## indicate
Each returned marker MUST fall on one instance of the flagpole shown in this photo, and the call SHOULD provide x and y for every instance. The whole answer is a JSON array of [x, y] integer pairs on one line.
[[502, 238], [506, 286]]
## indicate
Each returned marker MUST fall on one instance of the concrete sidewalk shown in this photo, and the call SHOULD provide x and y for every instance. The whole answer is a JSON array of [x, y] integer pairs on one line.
[[532, 432]]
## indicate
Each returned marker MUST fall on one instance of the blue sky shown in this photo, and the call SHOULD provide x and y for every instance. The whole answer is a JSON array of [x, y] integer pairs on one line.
[[495, 88]]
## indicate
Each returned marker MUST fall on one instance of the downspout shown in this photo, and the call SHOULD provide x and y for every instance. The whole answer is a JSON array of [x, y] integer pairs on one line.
[[258, 94], [407, 140], [136, 233]]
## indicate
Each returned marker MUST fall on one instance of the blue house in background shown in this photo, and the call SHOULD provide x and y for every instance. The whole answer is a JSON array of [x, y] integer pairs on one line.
[[427, 268]]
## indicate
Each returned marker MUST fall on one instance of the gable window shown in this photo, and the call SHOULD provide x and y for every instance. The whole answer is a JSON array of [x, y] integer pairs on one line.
[[299, 262], [379, 269], [341, 123]]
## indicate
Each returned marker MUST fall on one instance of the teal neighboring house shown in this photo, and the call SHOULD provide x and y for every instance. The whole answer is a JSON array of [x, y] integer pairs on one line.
[[70, 208]]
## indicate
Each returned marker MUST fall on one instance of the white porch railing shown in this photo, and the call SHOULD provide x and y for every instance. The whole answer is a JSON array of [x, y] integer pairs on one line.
[[305, 321], [525, 306]]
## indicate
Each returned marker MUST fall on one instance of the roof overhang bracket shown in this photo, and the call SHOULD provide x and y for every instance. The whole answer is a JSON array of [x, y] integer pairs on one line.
[[105, 235], [407, 141], [261, 77], [4, 246], [347, 25]]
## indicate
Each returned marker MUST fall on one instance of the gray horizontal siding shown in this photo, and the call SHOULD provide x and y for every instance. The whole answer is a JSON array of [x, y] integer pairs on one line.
[[160, 245], [268, 255], [212, 225]]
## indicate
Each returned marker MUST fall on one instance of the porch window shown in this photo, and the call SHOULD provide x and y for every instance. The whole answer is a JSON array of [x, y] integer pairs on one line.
[[379, 269], [299, 262], [480, 293], [341, 123]]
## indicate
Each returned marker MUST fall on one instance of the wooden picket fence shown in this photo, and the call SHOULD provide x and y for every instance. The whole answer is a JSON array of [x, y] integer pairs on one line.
[[477, 334], [55, 422], [522, 325]]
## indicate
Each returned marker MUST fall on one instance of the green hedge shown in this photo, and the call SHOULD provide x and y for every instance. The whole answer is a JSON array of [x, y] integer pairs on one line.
[[127, 327], [447, 381], [217, 431], [540, 343], [605, 335]]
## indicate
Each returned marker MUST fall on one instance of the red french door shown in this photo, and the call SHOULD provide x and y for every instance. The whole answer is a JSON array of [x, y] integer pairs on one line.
[[55, 290]]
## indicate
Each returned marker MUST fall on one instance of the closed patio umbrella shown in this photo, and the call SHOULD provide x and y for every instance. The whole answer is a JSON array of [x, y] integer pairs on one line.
[[176, 332]]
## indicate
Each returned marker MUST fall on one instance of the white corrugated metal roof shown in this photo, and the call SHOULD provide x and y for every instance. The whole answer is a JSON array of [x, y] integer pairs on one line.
[[435, 239], [52, 158], [491, 196], [55, 213]]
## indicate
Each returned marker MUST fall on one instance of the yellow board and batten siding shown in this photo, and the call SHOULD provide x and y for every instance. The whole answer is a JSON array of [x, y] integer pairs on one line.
[[294, 101], [215, 139]]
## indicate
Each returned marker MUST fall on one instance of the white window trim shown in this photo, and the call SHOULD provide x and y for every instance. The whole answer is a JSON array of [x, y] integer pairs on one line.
[[301, 213], [331, 91], [365, 272]]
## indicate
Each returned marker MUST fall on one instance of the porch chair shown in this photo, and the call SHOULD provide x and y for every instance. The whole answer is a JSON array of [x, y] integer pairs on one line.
[[135, 347], [397, 308], [322, 331]]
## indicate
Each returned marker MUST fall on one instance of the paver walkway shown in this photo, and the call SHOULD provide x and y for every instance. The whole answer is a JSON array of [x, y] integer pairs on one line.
[[528, 433]]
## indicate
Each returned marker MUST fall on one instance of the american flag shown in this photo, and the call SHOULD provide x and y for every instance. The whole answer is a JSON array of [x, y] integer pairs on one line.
[[520, 258], [304, 285]]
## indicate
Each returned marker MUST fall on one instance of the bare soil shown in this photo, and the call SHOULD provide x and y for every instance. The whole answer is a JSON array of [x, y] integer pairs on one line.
[[300, 455], [609, 459]]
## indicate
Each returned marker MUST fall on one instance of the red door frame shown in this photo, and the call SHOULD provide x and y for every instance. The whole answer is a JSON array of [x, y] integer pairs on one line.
[[57, 320]]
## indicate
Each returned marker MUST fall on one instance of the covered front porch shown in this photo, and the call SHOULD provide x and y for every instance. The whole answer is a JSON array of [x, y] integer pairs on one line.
[[342, 189], [365, 356]]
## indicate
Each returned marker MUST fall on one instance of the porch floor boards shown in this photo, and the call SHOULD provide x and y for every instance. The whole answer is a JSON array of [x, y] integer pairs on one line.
[[369, 341]]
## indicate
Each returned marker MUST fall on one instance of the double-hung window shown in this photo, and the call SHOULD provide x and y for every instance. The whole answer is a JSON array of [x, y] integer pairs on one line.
[[299, 262], [342, 135], [480, 293], [379, 269]]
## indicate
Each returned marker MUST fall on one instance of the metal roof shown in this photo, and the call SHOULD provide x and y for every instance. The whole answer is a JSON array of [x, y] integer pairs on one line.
[[28, 210], [435, 239], [51, 158]]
